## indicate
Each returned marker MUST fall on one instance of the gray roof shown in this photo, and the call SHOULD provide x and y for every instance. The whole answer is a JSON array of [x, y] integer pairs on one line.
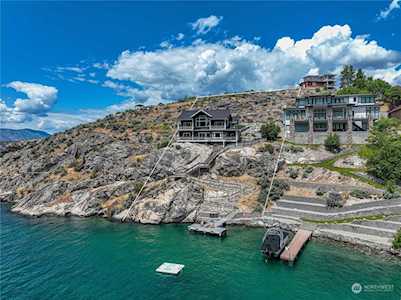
[[217, 114], [323, 77]]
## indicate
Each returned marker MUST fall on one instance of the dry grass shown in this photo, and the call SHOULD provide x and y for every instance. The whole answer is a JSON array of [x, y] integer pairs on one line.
[[137, 158], [65, 198], [303, 192], [22, 192], [115, 201], [59, 150], [249, 202], [73, 175], [102, 130], [243, 179]]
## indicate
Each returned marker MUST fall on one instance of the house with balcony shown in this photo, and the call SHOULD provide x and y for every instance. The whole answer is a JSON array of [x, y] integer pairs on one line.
[[207, 126], [327, 81], [313, 117]]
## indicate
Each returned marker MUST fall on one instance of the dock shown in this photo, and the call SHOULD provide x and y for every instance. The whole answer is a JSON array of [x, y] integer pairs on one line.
[[207, 229], [292, 250], [214, 227], [170, 268]]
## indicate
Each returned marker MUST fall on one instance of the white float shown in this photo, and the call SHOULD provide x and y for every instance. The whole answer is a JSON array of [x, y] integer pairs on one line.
[[170, 268]]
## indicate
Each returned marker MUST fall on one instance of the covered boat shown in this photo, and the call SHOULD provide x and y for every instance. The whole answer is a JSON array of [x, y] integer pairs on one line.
[[274, 242]]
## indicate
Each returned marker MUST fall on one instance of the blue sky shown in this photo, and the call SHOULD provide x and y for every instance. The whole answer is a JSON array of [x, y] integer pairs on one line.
[[64, 63]]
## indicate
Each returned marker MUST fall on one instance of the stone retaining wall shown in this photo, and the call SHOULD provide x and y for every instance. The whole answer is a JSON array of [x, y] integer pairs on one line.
[[358, 137]]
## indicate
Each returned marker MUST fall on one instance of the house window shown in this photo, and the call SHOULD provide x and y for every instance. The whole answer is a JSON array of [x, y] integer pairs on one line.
[[218, 123], [301, 127], [319, 114], [201, 121], [186, 134], [320, 126], [186, 123], [338, 113], [217, 135], [339, 126]]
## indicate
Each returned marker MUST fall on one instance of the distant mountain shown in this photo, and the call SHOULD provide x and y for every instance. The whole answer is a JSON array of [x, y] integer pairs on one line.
[[10, 135]]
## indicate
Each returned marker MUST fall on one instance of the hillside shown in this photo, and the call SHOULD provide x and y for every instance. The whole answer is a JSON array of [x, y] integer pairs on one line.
[[10, 135], [97, 168]]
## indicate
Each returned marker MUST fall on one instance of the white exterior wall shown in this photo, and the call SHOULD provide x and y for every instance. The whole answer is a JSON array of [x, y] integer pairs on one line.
[[359, 112]]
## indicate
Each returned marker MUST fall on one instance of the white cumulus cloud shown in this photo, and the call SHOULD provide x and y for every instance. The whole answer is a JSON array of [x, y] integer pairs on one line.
[[236, 64], [40, 98], [204, 25]]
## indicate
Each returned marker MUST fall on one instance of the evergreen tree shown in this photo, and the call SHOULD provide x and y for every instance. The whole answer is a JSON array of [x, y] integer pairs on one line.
[[347, 76], [360, 80], [270, 131], [394, 95]]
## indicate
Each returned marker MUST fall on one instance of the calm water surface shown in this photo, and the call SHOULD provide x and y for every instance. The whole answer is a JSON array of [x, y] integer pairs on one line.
[[72, 258]]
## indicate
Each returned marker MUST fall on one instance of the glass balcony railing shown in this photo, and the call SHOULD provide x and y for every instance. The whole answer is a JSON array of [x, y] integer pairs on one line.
[[339, 116], [185, 127], [206, 138]]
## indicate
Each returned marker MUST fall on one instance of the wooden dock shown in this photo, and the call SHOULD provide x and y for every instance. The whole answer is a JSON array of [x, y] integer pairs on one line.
[[292, 250], [207, 229]]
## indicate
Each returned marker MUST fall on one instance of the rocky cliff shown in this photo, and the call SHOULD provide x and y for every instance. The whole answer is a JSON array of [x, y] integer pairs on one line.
[[98, 168]]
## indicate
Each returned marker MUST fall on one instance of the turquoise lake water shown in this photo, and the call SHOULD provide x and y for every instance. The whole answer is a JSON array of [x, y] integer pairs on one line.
[[72, 258]]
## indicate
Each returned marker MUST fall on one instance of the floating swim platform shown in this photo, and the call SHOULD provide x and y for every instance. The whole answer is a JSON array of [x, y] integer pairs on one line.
[[170, 268]]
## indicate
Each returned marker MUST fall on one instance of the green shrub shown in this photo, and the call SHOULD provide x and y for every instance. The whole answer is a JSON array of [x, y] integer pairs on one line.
[[391, 187], [293, 173], [294, 149], [359, 194], [383, 152], [307, 171], [270, 131], [397, 240], [267, 148], [77, 164], [278, 189], [137, 187], [162, 144], [60, 170], [392, 190], [334, 199], [320, 191], [93, 174], [332, 143]]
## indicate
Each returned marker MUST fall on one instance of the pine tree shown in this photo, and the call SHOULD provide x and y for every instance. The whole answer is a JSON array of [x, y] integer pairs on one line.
[[360, 80], [347, 76]]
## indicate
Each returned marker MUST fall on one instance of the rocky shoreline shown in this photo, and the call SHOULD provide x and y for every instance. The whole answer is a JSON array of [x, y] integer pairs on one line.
[[366, 248]]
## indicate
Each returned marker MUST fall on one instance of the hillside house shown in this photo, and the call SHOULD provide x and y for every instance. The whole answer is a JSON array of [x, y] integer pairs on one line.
[[313, 117], [327, 81], [207, 126]]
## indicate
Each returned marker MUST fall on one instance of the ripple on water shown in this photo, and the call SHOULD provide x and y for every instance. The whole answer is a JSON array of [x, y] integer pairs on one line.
[[74, 258]]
